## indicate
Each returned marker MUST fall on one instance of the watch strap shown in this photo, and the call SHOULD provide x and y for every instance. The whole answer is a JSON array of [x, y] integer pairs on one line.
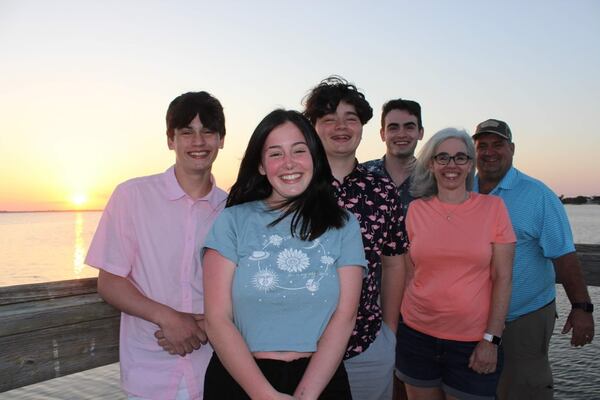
[[585, 306], [488, 337]]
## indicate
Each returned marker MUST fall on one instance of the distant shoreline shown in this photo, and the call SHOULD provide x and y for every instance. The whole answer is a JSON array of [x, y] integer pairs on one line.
[[565, 201], [580, 200]]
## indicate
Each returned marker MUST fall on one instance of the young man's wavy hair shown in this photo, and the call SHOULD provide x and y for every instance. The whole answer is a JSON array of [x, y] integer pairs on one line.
[[315, 210], [324, 99]]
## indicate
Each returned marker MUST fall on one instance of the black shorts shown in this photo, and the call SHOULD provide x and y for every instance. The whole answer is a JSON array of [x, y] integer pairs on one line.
[[282, 375]]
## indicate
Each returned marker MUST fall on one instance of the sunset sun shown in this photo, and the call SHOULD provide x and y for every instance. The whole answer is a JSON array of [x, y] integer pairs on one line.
[[78, 199]]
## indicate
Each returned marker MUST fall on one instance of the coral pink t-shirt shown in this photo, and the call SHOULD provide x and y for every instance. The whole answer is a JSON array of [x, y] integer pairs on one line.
[[451, 249]]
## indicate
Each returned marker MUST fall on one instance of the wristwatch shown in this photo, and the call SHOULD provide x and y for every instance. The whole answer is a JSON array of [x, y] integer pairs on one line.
[[488, 337], [587, 307]]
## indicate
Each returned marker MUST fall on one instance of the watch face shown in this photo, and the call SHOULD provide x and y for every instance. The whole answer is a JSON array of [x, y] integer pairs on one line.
[[492, 338]]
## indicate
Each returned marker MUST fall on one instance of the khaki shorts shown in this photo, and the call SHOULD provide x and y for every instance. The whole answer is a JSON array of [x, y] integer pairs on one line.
[[527, 373], [371, 372]]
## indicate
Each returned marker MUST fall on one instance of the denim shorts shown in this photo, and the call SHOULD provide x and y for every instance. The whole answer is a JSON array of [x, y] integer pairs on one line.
[[426, 361]]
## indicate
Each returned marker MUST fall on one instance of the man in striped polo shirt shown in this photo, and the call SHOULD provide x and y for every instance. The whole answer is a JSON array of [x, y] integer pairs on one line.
[[544, 243]]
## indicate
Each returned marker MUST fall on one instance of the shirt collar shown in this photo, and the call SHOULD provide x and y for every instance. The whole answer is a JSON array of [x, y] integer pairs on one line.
[[356, 172], [506, 183], [173, 189], [175, 192]]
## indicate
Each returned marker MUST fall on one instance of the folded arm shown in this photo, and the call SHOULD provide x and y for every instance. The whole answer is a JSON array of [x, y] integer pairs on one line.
[[180, 329]]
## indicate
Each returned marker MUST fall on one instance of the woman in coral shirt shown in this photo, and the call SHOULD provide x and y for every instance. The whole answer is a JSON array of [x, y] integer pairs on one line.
[[455, 303]]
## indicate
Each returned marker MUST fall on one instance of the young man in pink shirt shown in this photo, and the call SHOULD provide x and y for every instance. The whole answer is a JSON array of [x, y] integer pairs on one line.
[[147, 248]]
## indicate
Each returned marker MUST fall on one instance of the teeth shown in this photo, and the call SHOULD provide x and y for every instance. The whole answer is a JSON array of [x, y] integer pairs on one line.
[[451, 175], [198, 153], [290, 177]]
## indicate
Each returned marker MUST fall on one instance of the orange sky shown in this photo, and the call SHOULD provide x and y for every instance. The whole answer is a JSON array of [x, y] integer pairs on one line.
[[85, 85]]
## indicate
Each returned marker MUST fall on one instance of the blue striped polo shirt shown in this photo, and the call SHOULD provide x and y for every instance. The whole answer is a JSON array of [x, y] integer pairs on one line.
[[543, 234]]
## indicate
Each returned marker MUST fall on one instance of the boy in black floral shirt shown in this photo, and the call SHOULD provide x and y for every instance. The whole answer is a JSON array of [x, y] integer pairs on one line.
[[338, 111]]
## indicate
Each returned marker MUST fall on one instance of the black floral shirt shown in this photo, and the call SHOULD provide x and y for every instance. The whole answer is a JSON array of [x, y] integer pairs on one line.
[[373, 201]]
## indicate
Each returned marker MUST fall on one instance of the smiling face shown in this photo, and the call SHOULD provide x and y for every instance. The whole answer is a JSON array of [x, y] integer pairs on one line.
[[401, 133], [196, 147], [494, 156], [286, 162], [341, 131], [451, 176]]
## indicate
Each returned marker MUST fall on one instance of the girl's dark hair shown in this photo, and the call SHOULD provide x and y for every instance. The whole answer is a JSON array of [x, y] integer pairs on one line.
[[315, 210]]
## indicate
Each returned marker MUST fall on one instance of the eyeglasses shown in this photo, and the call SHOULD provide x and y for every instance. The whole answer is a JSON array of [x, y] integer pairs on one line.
[[445, 158]]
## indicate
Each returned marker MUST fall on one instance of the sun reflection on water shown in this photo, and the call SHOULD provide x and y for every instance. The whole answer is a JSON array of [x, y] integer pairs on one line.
[[79, 248]]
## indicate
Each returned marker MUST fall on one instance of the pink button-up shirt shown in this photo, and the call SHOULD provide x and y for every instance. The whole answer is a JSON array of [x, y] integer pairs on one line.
[[152, 232]]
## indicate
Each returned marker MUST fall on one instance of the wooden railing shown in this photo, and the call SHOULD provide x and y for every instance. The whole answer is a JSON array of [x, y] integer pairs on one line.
[[54, 329]]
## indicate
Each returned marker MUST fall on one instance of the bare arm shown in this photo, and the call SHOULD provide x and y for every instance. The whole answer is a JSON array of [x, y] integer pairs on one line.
[[223, 334], [392, 289], [568, 271], [484, 357], [180, 329], [332, 344]]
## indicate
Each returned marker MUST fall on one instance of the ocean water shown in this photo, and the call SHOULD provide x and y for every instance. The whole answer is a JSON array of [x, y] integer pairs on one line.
[[50, 246], [45, 246]]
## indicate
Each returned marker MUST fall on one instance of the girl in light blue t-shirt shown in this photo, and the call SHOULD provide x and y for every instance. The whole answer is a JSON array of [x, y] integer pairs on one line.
[[283, 268]]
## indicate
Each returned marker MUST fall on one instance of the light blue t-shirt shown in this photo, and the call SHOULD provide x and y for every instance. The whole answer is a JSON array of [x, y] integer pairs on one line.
[[284, 289], [543, 234]]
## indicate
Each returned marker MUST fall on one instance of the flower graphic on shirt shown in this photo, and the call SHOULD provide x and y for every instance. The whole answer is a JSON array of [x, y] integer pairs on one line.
[[259, 255], [327, 260], [292, 260], [265, 280], [275, 240]]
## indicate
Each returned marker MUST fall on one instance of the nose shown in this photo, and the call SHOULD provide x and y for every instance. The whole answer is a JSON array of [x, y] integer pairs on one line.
[[198, 139], [399, 132], [486, 152], [340, 123], [288, 162]]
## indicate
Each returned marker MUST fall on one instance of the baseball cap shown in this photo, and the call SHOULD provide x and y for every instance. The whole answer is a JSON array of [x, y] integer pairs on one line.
[[494, 126]]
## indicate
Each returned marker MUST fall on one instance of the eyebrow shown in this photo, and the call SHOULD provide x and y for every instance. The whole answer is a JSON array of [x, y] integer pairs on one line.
[[277, 146], [406, 124]]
